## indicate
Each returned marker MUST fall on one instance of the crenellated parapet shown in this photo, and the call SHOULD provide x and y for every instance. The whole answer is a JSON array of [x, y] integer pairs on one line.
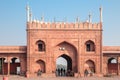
[[64, 25], [88, 25]]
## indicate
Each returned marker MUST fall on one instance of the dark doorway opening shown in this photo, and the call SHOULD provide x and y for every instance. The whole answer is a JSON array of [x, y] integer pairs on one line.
[[64, 66]]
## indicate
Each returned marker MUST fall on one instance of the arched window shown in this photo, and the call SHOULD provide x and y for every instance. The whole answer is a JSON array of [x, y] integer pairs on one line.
[[41, 45], [90, 46], [112, 60]]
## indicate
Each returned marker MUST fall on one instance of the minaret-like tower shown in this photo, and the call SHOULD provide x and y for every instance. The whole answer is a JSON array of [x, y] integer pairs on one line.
[[101, 56], [100, 14], [28, 13], [90, 17]]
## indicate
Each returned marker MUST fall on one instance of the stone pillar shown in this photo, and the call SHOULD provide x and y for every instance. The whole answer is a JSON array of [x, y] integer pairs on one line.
[[78, 63], [105, 66], [22, 64], [48, 65], [118, 65], [82, 61], [28, 67], [78, 57], [8, 66]]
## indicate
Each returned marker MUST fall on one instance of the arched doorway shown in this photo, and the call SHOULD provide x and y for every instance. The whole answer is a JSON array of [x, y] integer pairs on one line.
[[67, 51], [15, 66], [64, 65], [3, 66], [90, 66], [61, 63], [67, 62], [41, 66], [112, 66]]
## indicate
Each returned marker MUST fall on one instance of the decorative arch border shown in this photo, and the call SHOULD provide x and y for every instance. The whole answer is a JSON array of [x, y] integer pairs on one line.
[[36, 59], [39, 41], [61, 55], [15, 57], [90, 60], [5, 58], [90, 41], [111, 57], [69, 42]]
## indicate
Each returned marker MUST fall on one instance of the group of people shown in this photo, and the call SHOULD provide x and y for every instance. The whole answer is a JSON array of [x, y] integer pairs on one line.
[[60, 72], [88, 73], [64, 72]]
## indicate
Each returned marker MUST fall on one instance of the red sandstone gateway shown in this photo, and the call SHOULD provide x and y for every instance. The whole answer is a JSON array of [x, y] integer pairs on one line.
[[80, 43]]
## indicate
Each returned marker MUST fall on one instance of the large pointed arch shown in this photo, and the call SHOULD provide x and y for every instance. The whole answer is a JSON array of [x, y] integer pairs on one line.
[[67, 42], [69, 61], [67, 49]]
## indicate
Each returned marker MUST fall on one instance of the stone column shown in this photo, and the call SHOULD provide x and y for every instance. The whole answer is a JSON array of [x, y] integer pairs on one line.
[[82, 61], [22, 64], [8, 66], [118, 65], [105, 68], [78, 57]]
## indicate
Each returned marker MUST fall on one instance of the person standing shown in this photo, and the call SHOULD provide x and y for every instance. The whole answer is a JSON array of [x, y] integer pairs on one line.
[[86, 73]]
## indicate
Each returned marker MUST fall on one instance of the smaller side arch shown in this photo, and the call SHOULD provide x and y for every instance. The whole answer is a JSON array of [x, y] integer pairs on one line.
[[2, 65], [112, 60], [90, 66], [42, 66], [113, 66], [15, 65]]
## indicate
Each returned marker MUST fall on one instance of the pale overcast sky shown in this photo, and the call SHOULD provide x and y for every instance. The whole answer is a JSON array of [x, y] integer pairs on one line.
[[13, 17]]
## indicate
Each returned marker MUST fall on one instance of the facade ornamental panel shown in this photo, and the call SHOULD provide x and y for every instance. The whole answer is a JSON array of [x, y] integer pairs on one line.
[[79, 43]]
